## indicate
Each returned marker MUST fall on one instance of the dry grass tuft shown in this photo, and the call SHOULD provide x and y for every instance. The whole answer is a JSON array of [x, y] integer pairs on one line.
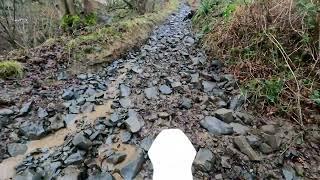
[[10, 69]]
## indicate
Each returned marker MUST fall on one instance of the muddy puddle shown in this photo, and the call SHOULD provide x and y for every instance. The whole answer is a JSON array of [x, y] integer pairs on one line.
[[7, 167]]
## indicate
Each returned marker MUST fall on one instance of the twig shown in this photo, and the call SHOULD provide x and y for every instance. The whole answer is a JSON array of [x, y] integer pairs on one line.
[[286, 58]]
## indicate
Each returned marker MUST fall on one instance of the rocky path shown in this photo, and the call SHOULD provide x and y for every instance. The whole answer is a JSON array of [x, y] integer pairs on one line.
[[101, 125]]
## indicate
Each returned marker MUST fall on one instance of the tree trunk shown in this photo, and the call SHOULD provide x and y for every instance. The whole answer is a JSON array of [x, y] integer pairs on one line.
[[88, 7], [67, 7]]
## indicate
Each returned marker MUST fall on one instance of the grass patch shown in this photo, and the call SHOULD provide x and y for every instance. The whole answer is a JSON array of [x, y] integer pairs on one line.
[[122, 34], [272, 47], [10, 69]]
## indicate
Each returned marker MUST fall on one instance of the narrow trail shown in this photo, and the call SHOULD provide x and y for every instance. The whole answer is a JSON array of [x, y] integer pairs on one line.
[[112, 117]]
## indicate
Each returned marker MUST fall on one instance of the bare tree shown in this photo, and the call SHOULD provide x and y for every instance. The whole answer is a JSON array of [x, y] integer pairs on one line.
[[7, 22]]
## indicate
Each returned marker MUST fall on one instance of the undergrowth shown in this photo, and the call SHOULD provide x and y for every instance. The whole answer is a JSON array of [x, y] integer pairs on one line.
[[10, 69], [272, 47], [121, 33]]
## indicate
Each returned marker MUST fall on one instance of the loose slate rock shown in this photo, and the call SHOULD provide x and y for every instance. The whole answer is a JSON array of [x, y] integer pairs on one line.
[[116, 158], [75, 158], [124, 90], [186, 103], [101, 176], [164, 89], [15, 149], [42, 113], [151, 92], [126, 103], [239, 128], [28, 175], [225, 115], [6, 112], [68, 94], [194, 78], [216, 126], [243, 145], [125, 136], [56, 123], [133, 166], [134, 122], [204, 160], [269, 129], [74, 109], [146, 143], [81, 142], [87, 107], [69, 119], [32, 130], [208, 86], [236, 102], [254, 140], [26, 107]]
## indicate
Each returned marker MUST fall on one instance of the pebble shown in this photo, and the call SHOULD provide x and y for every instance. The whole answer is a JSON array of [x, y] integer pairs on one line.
[[125, 91], [164, 89], [151, 92], [186, 103]]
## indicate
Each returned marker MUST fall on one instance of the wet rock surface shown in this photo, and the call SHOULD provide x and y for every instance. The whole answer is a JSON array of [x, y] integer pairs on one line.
[[104, 122]]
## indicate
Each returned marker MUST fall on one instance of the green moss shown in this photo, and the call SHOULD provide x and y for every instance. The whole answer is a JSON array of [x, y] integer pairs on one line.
[[10, 69]]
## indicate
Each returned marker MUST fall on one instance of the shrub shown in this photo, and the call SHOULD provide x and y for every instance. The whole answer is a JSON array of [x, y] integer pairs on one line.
[[74, 22], [10, 69], [265, 40], [316, 97]]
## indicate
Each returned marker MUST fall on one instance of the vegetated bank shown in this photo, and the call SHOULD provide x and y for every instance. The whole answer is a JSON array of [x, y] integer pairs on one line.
[[87, 42], [272, 47]]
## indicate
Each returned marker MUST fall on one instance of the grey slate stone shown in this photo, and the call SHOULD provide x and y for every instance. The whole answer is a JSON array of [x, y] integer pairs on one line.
[[216, 126]]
